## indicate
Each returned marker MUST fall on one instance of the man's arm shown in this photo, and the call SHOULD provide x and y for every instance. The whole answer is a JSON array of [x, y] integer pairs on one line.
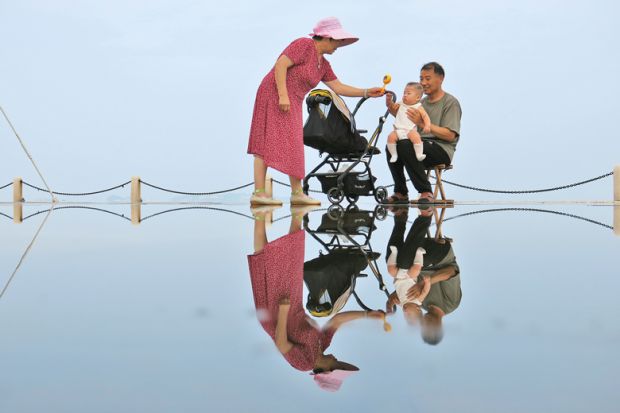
[[440, 132]]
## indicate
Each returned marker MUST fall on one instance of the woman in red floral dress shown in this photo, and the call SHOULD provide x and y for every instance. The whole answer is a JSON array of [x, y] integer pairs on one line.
[[276, 135]]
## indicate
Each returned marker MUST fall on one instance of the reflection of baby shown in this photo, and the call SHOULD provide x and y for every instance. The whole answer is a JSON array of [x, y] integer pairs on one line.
[[404, 128], [404, 280]]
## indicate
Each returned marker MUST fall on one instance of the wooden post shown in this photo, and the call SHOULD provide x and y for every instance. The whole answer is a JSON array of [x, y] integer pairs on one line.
[[18, 194], [617, 183], [617, 219], [269, 186], [18, 201], [136, 200]]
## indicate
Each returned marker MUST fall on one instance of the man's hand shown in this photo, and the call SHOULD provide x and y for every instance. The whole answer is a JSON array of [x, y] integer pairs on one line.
[[415, 116], [417, 290]]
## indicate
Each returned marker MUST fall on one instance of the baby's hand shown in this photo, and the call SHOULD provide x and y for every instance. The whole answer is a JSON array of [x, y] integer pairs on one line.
[[427, 129], [388, 99]]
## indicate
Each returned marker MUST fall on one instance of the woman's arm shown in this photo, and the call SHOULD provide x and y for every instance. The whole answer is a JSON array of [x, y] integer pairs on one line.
[[280, 69], [351, 91]]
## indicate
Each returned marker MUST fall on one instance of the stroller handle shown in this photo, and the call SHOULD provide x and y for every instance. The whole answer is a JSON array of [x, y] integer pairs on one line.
[[362, 100]]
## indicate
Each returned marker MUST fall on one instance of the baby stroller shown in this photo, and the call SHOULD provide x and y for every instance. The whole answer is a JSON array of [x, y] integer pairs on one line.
[[331, 129], [331, 277]]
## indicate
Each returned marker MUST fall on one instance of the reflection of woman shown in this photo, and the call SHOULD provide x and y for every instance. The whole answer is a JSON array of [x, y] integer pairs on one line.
[[276, 135], [276, 271]]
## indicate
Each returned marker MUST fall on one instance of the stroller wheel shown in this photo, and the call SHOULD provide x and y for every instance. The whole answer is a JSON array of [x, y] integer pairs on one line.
[[335, 195], [335, 212], [352, 198], [381, 194], [380, 212], [352, 208]]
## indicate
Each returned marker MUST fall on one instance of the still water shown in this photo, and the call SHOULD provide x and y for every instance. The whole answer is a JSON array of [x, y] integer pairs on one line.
[[180, 314]]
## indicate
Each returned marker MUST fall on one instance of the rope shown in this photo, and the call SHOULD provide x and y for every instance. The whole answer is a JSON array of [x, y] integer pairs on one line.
[[195, 193], [28, 154], [209, 208], [6, 186], [527, 191], [79, 193], [288, 185], [80, 207], [23, 257], [5, 215], [483, 211]]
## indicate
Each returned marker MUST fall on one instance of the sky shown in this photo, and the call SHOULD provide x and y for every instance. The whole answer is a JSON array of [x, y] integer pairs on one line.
[[164, 90]]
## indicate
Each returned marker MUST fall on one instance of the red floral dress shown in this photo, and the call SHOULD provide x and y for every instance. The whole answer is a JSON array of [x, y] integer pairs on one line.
[[277, 272], [276, 136]]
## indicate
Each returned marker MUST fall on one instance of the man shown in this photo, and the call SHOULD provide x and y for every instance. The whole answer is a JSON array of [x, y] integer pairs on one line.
[[444, 111]]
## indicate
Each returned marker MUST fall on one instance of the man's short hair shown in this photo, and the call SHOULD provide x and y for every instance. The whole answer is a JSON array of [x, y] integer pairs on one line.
[[435, 67]]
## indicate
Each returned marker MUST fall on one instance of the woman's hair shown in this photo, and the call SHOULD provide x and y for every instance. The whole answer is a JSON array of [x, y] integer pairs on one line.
[[317, 38]]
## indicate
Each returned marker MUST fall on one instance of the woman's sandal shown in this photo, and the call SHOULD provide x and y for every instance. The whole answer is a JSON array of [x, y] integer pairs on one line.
[[263, 200]]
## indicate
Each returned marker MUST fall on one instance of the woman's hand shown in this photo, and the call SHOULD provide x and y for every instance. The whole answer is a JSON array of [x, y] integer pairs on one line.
[[284, 103], [375, 92]]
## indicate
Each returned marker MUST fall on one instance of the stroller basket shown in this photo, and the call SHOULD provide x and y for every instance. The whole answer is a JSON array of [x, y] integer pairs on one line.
[[355, 182]]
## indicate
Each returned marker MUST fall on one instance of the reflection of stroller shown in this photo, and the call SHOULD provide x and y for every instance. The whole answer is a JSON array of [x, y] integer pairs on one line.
[[348, 153], [331, 277]]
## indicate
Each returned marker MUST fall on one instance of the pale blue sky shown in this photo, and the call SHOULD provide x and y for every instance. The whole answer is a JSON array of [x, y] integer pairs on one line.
[[101, 91]]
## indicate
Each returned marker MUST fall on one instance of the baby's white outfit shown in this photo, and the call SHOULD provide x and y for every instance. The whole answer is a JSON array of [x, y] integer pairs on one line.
[[402, 124]]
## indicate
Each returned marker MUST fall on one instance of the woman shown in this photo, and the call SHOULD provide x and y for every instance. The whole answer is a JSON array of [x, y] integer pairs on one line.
[[276, 135]]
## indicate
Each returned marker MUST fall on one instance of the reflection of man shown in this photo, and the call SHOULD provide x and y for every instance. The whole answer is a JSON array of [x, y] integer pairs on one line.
[[439, 269], [444, 111]]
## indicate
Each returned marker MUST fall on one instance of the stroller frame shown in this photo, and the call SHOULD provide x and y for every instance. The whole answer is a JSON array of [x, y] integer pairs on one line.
[[339, 191]]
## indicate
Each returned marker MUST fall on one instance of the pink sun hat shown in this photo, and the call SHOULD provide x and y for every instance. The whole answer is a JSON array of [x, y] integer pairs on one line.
[[331, 381], [331, 27]]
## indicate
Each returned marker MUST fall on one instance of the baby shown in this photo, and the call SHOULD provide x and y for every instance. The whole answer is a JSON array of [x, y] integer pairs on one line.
[[403, 127], [404, 279]]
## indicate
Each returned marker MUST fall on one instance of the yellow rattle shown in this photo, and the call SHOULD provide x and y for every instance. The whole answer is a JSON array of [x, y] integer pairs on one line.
[[386, 326], [386, 79]]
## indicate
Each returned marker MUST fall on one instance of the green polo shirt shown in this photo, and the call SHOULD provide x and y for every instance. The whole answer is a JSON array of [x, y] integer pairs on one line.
[[446, 112]]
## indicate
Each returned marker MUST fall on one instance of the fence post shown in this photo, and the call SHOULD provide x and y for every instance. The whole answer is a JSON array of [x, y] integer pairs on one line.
[[269, 186], [136, 200], [617, 183], [617, 219], [18, 201]]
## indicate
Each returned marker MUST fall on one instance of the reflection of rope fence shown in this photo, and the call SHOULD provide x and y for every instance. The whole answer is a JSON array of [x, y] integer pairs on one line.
[[548, 211], [7, 216], [482, 211], [78, 207]]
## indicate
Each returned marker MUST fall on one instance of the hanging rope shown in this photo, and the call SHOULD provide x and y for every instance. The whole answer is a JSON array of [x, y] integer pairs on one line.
[[5, 215], [28, 154], [79, 193], [195, 193], [526, 191], [208, 208], [529, 191], [288, 185], [6, 186]]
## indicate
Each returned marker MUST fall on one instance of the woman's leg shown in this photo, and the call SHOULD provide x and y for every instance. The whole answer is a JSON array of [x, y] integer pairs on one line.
[[260, 172], [297, 195]]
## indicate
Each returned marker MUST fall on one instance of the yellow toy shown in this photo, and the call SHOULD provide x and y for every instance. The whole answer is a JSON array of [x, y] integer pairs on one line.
[[386, 79]]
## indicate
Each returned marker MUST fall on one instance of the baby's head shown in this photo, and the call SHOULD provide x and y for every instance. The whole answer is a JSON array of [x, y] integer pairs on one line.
[[413, 93], [412, 313]]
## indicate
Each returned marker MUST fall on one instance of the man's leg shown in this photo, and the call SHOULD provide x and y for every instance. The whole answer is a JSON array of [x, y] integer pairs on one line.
[[417, 169], [398, 174]]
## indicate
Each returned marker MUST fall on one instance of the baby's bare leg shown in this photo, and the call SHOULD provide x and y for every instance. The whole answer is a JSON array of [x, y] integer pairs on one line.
[[418, 146], [391, 146]]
